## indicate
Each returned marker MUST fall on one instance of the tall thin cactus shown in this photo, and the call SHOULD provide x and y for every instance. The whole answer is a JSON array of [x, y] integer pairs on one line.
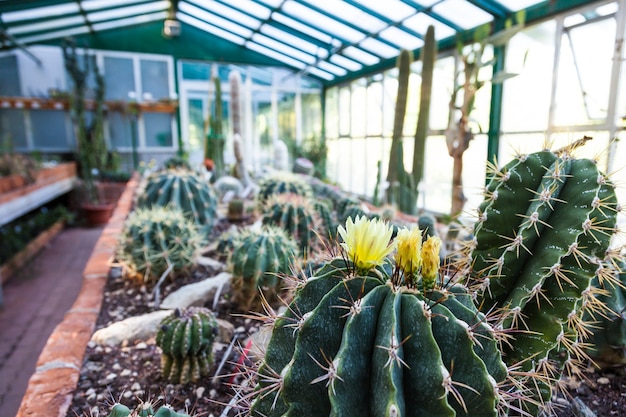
[[214, 147]]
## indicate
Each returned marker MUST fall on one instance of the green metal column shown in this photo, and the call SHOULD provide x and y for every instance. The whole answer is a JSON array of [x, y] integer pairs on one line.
[[495, 114]]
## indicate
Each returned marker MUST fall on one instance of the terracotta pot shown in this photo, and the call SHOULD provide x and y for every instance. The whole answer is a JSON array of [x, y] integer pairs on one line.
[[97, 214]]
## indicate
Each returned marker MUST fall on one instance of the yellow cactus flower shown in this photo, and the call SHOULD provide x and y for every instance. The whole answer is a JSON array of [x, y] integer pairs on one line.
[[408, 255], [430, 261], [367, 242]]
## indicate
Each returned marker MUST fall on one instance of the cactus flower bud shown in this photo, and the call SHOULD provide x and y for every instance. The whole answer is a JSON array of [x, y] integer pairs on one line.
[[430, 261], [367, 242], [408, 256]]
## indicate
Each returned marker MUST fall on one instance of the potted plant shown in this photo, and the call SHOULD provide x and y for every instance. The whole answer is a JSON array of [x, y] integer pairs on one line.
[[91, 150]]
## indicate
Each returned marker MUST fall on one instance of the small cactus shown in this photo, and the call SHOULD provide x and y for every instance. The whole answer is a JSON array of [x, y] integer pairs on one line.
[[155, 238], [144, 410], [296, 215], [282, 182], [361, 339], [185, 190], [186, 339], [257, 258]]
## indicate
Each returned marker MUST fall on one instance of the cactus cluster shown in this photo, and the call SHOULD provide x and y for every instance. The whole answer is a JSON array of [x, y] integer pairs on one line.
[[296, 215], [155, 238], [282, 182], [144, 410], [257, 257], [185, 190], [542, 231], [186, 340], [364, 337]]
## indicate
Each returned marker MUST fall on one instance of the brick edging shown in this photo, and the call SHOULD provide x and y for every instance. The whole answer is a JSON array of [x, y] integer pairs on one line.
[[51, 388]]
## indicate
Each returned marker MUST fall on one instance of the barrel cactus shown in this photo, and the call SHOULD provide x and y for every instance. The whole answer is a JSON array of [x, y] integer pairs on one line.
[[144, 410], [185, 190], [281, 182], [541, 232], [258, 256], [295, 214], [365, 338], [186, 340], [156, 239]]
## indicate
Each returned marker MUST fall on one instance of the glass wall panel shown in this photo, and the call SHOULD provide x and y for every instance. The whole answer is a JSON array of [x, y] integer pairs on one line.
[[344, 111], [526, 97], [9, 76], [154, 79], [13, 129], [358, 108], [332, 112], [50, 129], [158, 129], [374, 110], [443, 81], [121, 129], [119, 78]]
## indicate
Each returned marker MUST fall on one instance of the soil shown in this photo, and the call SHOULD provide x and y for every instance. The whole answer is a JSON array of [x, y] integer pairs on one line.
[[130, 374]]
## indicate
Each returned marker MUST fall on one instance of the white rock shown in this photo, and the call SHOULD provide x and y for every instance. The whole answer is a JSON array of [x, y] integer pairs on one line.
[[196, 294], [134, 328], [205, 261]]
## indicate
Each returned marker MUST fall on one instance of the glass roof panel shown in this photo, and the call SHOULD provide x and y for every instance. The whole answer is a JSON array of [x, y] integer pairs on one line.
[[425, 3], [345, 62], [128, 11], [379, 48], [355, 15], [47, 25], [462, 13], [300, 27], [143, 18], [319, 73], [227, 12], [420, 22], [327, 66], [211, 29], [282, 48], [272, 3], [401, 38], [89, 5], [395, 10], [214, 20], [322, 22], [360, 55], [58, 34], [276, 55], [250, 7], [607, 9], [516, 5], [293, 40], [62, 9]]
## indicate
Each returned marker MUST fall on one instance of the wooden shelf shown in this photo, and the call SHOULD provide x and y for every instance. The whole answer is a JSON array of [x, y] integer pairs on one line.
[[30, 103]]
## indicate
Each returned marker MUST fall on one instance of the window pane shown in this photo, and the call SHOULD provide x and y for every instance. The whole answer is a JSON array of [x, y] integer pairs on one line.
[[10, 85], [120, 130], [344, 111], [358, 109], [50, 129], [332, 113], [119, 78], [155, 79], [12, 129], [374, 118], [158, 129]]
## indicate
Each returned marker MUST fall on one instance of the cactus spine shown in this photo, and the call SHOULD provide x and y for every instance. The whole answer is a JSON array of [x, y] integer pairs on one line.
[[186, 339], [545, 223], [257, 258], [184, 190], [370, 342], [155, 238]]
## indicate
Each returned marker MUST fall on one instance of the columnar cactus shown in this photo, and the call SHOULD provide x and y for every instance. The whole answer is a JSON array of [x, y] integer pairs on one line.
[[282, 182], [296, 215], [186, 340], [360, 339], [185, 190], [543, 227], [257, 258], [155, 238]]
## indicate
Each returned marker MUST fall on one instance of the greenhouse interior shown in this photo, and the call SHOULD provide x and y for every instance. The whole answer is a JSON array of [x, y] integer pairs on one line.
[[261, 147]]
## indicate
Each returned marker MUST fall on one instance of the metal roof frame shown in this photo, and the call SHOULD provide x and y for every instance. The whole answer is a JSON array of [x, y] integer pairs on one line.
[[333, 41]]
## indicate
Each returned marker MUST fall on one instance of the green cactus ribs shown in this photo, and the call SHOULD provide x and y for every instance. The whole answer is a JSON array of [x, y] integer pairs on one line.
[[186, 339], [144, 410]]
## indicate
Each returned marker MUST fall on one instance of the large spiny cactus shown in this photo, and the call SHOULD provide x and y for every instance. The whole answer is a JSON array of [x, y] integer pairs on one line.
[[296, 215], [282, 182], [185, 190], [361, 340], [186, 340], [545, 224]]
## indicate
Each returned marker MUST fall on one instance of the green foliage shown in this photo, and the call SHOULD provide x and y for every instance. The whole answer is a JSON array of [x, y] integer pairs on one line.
[[282, 182], [257, 258], [177, 162], [353, 345], [546, 220], [155, 238], [296, 215], [184, 190], [186, 340]]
